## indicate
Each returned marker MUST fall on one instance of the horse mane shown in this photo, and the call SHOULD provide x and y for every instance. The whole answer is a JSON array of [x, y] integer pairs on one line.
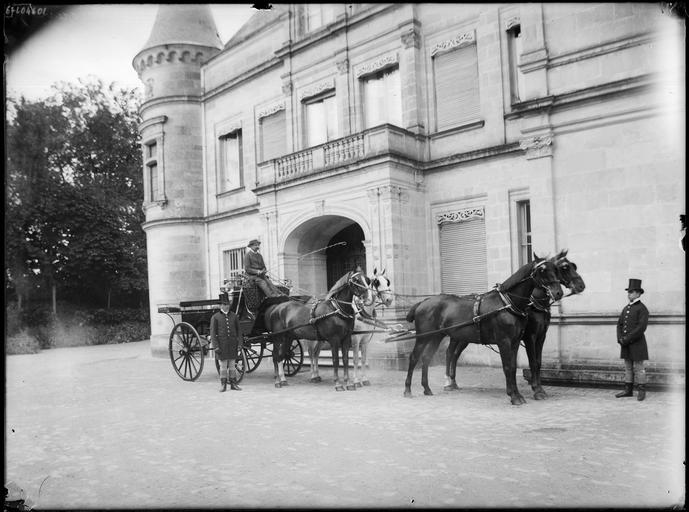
[[521, 274], [341, 283]]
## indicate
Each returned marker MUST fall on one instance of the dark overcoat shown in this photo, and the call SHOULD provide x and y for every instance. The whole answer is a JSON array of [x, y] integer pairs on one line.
[[225, 335], [630, 332]]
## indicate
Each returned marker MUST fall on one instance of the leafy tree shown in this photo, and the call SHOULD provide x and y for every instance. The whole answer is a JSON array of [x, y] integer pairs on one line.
[[74, 186]]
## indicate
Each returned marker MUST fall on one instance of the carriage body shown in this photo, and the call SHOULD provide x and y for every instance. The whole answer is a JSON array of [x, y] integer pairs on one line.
[[189, 342]]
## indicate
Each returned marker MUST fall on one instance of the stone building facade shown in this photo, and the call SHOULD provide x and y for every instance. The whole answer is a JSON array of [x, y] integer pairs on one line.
[[442, 142]]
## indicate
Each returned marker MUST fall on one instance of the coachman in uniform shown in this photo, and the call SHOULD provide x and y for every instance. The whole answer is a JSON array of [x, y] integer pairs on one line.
[[225, 339], [630, 335]]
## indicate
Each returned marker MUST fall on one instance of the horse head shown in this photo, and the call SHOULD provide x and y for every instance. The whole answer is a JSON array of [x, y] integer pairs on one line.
[[567, 272], [359, 286], [544, 274], [380, 283]]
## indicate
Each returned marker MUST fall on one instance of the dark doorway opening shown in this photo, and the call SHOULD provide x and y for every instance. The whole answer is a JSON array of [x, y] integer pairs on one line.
[[349, 254]]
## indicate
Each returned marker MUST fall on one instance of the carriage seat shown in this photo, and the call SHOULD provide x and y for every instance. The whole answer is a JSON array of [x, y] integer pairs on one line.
[[253, 295]]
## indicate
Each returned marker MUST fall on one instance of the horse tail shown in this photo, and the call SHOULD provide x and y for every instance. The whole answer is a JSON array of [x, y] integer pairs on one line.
[[412, 312]]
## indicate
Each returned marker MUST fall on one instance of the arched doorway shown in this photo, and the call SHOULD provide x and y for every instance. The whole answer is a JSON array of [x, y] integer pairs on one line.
[[320, 251]]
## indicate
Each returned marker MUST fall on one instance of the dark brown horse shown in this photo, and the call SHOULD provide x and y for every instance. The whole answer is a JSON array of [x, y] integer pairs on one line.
[[537, 322], [330, 319], [539, 319], [497, 317]]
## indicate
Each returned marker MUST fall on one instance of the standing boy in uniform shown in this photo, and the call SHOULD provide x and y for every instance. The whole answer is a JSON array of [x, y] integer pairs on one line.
[[225, 339], [630, 335]]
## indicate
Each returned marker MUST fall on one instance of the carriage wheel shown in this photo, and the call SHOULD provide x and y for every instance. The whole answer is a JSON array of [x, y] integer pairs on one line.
[[240, 364], [186, 351], [254, 354], [294, 360]]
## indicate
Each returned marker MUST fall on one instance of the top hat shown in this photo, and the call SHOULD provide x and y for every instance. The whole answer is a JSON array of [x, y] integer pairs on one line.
[[254, 242], [634, 285], [224, 298]]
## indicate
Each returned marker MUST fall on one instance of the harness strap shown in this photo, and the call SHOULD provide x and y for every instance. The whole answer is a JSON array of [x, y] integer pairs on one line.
[[510, 306], [477, 317]]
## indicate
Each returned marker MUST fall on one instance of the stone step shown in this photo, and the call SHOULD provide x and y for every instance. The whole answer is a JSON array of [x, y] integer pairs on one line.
[[582, 375]]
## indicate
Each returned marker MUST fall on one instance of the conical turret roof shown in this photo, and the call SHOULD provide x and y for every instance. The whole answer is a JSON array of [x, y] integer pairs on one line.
[[186, 24]]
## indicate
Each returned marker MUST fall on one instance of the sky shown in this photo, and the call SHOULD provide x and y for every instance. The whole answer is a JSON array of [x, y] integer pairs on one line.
[[99, 40]]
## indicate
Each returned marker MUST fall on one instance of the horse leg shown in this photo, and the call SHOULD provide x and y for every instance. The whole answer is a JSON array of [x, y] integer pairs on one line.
[[276, 361], [364, 360], [345, 344], [451, 363], [539, 392], [281, 358], [413, 359], [314, 351], [508, 355], [334, 350], [530, 340], [426, 357], [356, 342]]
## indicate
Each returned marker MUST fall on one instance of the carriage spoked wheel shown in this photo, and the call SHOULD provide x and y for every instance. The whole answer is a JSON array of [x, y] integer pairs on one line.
[[254, 354], [294, 359], [240, 364], [186, 351]]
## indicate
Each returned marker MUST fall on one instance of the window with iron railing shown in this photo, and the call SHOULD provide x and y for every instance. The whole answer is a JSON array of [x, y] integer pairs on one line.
[[233, 263]]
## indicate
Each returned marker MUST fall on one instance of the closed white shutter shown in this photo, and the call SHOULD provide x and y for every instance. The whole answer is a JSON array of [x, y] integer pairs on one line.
[[456, 87], [273, 135], [463, 266]]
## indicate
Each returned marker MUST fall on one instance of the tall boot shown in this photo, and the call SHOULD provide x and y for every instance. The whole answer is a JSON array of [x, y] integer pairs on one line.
[[223, 385], [628, 390], [642, 392], [234, 386]]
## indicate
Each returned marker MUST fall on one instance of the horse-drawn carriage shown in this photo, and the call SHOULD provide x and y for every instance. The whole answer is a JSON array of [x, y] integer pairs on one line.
[[189, 342]]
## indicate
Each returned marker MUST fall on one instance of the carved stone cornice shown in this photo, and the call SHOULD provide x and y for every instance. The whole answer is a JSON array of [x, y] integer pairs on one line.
[[538, 146], [460, 215], [316, 89], [511, 22], [272, 109], [287, 88], [411, 38], [343, 66], [171, 53], [380, 63], [461, 40]]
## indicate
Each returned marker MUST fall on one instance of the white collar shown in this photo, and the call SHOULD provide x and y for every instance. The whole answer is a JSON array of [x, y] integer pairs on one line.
[[635, 301]]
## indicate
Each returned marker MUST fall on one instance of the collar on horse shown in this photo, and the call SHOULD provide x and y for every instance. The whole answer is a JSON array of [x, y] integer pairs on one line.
[[337, 310]]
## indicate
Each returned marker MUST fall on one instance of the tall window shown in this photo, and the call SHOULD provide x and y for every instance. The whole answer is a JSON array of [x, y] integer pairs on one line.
[[318, 15], [230, 175], [463, 259], [382, 98], [233, 262], [273, 143], [514, 48], [151, 163], [524, 232], [321, 120], [456, 87]]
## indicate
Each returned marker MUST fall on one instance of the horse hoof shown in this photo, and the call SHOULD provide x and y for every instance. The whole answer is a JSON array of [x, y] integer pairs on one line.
[[366, 383], [339, 388], [518, 400], [407, 394], [283, 383], [278, 385], [540, 395], [357, 384], [315, 379], [351, 387], [428, 392], [451, 388]]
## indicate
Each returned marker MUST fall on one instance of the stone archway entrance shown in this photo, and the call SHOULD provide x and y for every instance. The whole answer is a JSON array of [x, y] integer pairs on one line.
[[320, 251]]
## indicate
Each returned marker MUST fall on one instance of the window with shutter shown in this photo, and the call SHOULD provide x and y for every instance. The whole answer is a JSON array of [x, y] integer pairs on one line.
[[456, 87], [382, 98], [230, 152], [273, 143], [463, 265], [514, 49], [321, 120]]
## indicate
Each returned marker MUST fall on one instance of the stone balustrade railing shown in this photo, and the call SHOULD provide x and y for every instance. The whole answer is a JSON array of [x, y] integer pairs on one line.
[[373, 142]]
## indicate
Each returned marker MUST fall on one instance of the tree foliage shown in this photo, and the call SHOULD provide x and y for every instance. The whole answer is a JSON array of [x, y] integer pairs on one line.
[[74, 190]]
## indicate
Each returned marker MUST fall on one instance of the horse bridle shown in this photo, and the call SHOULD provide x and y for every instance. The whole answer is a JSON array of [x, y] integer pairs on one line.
[[541, 283], [565, 282]]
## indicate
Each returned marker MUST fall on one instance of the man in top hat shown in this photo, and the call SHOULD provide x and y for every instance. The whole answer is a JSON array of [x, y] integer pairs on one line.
[[255, 268], [630, 335], [225, 339]]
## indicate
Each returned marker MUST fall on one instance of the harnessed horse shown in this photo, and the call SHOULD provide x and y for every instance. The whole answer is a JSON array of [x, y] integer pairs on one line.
[[330, 319], [497, 317], [380, 284]]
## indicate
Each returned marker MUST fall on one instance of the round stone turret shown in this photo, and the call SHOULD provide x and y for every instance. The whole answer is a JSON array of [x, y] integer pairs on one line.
[[183, 38]]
